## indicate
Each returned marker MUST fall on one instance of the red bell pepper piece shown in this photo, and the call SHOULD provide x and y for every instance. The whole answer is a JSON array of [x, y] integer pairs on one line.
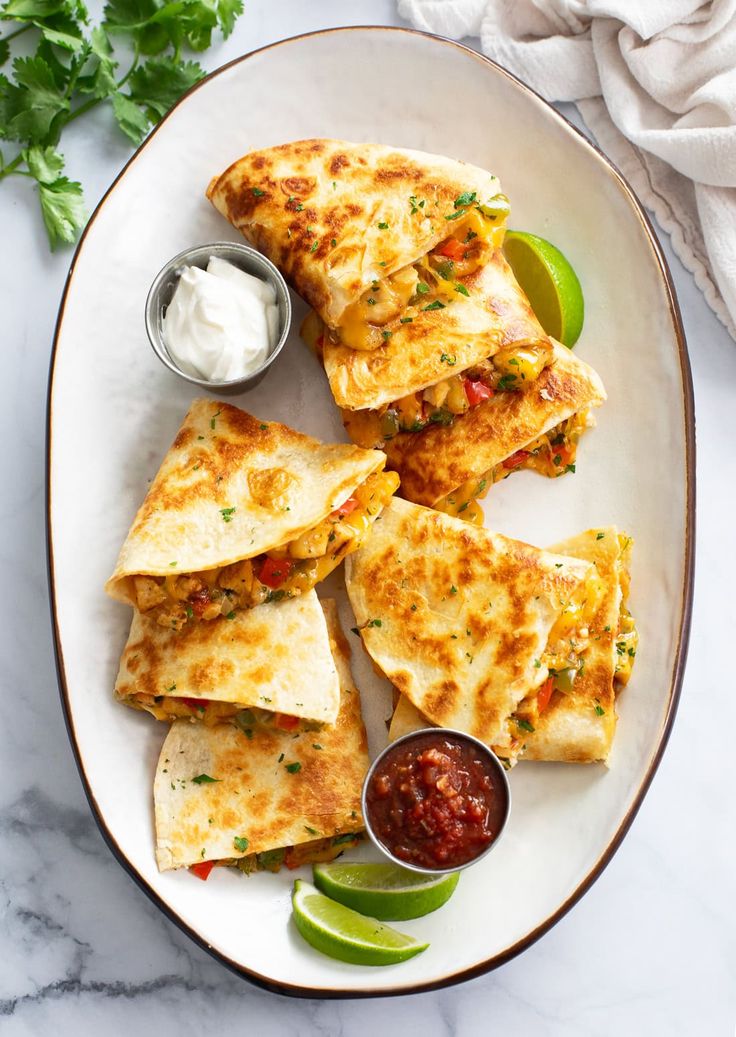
[[544, 694], [202, 871], [452, 248], [196, 703], [516, 459], [476, 392], [274, 571], [345, 509]]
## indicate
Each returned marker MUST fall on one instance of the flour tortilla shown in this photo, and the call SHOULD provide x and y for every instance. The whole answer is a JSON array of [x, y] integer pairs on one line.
[[276, 657], [437, 461], [259, 796], [494, 315], [231, 487], [456, 616], [286, 198]]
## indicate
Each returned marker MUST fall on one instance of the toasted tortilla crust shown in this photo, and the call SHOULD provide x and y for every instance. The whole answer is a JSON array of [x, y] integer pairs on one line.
[[230, 487], [255, 797], [276, 657], [579, 727], [286, 198], [494, 315], [455, 615], [435, 462]]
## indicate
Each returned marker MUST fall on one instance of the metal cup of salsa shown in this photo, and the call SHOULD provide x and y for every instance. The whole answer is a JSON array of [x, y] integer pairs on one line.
[[436, 800]]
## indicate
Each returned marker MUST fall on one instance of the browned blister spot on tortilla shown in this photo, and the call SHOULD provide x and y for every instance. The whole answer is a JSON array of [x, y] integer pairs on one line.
[[338, 163]]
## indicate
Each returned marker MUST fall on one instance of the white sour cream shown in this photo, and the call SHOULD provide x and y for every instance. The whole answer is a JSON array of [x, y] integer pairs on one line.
[[221, 322]]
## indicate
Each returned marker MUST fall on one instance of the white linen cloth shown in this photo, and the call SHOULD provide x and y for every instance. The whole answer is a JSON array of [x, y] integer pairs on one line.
[[655, 81]]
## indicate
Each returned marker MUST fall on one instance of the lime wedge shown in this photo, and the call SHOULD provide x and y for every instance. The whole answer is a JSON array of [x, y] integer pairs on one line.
[[341, 933], [550, 284], [384, 890]]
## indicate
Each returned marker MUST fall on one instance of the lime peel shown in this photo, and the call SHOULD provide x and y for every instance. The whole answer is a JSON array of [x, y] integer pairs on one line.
[[383, 890], [342, 933], [549, 282]]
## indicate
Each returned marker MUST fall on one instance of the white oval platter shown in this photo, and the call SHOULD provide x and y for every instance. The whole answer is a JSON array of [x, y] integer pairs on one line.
[[113, 410]]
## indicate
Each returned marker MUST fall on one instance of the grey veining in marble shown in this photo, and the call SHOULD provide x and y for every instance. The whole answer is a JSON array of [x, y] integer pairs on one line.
[[651, 950]]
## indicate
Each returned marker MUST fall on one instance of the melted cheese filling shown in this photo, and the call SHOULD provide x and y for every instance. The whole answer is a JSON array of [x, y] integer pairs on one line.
[[551, 454], [176, 599], [372, 318]]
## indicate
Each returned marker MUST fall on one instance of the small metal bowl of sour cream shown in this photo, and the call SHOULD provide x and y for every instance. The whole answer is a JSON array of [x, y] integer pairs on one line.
[[234, 325]]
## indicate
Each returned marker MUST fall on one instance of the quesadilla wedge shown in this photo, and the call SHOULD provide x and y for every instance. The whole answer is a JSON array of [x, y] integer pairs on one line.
[[242, 512], [256, 803], [574, 718], [450, 466], [267, 666], [467, 624], [578, 721], [397, 251]]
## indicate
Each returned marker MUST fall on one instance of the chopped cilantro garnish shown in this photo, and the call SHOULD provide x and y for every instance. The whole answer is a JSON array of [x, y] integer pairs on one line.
[[406, 320], [382, 225], [314, 247], [422, 288], [258, 192], [524, 724], [227, 514], [204, 779], [446, 358], [462, 290], [240, 843], [600, 711], [466, 198], [436, 305], [293, 768]]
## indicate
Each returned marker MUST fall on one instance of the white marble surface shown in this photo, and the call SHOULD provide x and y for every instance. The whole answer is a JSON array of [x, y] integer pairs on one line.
[[650, 949]]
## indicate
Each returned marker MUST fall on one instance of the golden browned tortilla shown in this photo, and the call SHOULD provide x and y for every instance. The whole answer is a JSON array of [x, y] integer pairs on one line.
[[458, 618], [222, 796], [439, 460], [336, 215], [276, 658], [578, 725], [233, 487], [433, 344]]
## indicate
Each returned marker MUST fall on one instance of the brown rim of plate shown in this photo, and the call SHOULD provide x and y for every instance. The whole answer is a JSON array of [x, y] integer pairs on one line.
[[294, 990]]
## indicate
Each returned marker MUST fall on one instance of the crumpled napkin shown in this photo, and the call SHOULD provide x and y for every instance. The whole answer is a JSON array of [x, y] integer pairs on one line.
[[655, 81]]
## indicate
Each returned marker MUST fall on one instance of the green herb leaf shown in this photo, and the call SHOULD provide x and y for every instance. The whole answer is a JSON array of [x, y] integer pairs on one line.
[[45, 164], [29, 107], [132, 120], [462, 290], [63, 211], [293, 768], [227, 514], [436, 305], [466, 198], [204, 779], [159, 83], [227, 12], [240, 843], [599, 711], [524, 724]]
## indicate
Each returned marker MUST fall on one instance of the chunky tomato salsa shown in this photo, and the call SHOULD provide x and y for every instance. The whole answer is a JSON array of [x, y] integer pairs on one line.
[[436, 802]]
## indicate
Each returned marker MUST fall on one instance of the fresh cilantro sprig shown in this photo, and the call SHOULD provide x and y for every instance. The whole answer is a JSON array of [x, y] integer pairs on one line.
[[76, 67]]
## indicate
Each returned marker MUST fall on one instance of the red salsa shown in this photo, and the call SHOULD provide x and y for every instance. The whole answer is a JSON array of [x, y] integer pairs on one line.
[[436, 802]]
